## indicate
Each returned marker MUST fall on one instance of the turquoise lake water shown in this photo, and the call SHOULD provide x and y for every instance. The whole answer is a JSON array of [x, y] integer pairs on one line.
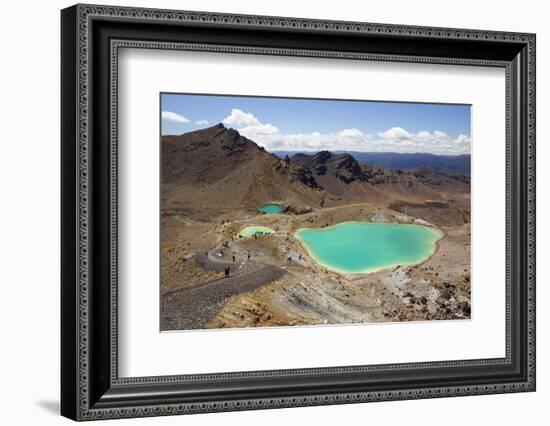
[[360, 247], [250, 231], [271, 209]]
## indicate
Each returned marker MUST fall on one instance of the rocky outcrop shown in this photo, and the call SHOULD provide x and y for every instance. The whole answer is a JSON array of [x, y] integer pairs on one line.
[[305, 176], [341, 166], [294, 209]]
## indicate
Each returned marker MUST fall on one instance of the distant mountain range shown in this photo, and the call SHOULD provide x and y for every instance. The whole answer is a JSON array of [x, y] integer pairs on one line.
[[401, 161]]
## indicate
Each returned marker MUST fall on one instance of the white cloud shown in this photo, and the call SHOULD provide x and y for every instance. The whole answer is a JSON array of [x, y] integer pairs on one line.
[[436, 142], [201, 122], [173, 117], [248, 125], [259, 130], [395, 139], [351, 133], [395, 133], [238, 118]]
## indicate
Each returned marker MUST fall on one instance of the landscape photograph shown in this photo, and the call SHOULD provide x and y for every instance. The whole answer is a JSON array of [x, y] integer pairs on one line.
[[280, 212]]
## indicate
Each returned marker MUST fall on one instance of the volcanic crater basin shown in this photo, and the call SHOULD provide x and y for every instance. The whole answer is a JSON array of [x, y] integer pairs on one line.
[[364, 247]]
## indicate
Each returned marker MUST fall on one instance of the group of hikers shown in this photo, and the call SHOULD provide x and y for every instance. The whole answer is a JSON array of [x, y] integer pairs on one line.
[[233, 257], [227, 269]]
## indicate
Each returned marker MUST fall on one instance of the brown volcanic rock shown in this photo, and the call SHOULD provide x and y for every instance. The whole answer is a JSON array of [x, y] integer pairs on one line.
[[341, 176], [205, 155], [304, 175], [217, 168], [346, 168], [434, 178], [341, 166]]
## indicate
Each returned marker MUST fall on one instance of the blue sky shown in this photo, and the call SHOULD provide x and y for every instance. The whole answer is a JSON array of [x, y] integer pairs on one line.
[[313, 125]]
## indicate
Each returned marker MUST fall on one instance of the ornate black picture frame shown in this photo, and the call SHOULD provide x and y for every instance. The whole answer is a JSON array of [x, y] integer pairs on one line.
[[91, 36]]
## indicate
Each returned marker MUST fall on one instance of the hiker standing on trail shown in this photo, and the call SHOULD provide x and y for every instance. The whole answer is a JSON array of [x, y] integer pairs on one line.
[[227, 269], [248, 255], [233, 258]]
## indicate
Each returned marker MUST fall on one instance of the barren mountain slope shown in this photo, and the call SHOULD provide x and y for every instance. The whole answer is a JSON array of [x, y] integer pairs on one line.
[[346, 180], [218, 169]]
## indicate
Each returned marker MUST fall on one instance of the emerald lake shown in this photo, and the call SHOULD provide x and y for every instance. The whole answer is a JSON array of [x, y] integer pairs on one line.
[[361, 247], [271, 209]]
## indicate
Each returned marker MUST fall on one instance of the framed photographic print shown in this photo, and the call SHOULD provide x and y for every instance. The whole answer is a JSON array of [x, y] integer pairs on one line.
[[263, 212]]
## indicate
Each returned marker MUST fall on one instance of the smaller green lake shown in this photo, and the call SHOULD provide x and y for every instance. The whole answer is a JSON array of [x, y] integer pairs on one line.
[[362, 247], [271, 209], [250, 231]]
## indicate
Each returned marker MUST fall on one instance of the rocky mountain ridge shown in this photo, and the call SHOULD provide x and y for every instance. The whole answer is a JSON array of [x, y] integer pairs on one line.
[[228, 169]]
